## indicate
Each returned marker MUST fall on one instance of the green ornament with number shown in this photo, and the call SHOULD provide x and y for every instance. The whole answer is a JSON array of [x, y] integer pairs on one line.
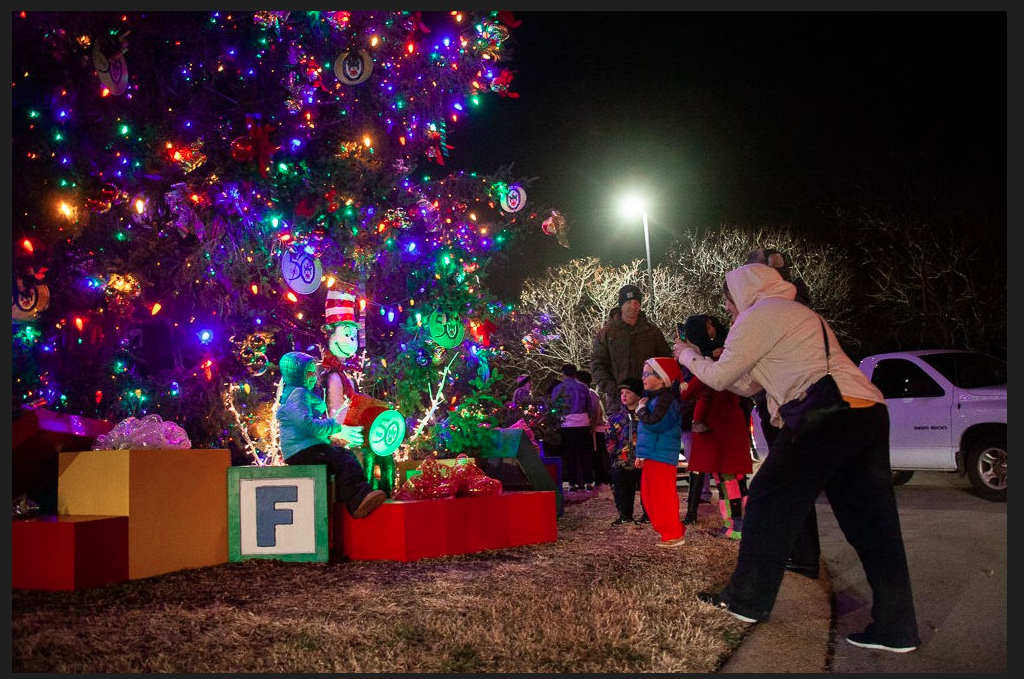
[[445, 328]]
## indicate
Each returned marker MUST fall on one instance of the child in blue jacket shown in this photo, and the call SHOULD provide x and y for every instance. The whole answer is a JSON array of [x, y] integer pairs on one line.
[[659, 433]]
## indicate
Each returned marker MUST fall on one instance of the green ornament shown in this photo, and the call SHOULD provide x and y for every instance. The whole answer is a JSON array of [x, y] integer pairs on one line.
[[386, 433], [445, 328]]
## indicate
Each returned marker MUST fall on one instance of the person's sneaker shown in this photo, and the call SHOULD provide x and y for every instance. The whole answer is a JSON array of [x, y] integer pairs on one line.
[[618, 522], [589, 487], [716, 601], [727, 532], [866, 639], [373, 499], [643, 520], [699, 428], [675, 542]]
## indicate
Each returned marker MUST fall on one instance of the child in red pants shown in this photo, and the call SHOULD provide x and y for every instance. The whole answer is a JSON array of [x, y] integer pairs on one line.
[[659, 433]]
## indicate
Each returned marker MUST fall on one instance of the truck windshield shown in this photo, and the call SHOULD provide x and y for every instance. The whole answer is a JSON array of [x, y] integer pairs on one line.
[[969, 370]]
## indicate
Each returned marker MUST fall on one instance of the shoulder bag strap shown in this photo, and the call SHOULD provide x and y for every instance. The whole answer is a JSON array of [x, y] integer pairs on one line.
[[828, 354]]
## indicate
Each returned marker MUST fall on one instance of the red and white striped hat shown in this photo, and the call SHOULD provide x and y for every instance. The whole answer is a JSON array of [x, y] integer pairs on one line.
[[339, 307]]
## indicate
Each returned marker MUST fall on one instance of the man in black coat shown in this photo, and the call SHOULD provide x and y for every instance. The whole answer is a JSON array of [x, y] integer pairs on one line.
[[621, 346]]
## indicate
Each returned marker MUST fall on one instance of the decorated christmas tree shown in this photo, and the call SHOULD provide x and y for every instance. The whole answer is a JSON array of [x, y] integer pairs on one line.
[[188, 185]]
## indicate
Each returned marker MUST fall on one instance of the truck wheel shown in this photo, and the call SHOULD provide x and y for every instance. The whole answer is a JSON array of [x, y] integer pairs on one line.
[[901, 477], [986, 467]]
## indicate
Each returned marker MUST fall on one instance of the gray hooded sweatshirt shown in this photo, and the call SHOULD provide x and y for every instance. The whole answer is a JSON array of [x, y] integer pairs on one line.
[[775, 343]]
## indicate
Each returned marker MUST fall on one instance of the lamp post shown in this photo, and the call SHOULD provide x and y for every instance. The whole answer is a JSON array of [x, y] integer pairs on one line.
[[631, 205], [647, 244]]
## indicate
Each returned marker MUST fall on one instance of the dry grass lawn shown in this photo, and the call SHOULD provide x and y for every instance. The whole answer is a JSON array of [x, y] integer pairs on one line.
[[599, 599]]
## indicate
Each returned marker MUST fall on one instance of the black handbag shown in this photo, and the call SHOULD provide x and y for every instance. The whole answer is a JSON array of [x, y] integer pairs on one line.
[[821, 398]]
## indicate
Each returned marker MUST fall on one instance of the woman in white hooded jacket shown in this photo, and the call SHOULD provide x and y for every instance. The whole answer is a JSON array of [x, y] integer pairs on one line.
[[776, 343]]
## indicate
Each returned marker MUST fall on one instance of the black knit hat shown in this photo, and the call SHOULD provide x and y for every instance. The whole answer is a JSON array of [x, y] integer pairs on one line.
[[634, 385], [697, 332], [628, 292]]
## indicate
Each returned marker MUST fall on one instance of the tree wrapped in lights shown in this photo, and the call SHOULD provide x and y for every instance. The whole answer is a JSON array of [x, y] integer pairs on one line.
[[193, 182]]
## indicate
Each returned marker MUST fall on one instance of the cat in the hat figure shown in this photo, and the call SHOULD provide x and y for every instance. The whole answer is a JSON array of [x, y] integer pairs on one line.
[[341, 394]]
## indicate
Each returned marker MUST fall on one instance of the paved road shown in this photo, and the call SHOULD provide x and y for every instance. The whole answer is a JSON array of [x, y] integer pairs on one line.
[[956, 549]]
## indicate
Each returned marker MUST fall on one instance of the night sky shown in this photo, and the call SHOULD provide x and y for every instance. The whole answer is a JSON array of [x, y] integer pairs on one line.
[[742, 118]]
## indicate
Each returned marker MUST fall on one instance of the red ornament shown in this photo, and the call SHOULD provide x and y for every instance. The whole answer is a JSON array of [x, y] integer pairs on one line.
[[305, 208], [103, 198], [242, 150], [555, 225]]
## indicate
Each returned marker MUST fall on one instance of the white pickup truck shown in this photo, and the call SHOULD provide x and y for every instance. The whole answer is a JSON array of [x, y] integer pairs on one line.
[[947, 412]]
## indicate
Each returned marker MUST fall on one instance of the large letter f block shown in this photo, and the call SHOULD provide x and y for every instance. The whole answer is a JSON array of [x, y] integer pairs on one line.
[[278, 513]]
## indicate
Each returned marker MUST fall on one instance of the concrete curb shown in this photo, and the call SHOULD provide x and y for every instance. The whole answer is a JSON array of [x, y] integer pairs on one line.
[[798, 635]]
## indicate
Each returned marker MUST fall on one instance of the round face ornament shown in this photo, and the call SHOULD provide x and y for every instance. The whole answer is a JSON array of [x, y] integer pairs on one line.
[[344, 340], [353, 67]]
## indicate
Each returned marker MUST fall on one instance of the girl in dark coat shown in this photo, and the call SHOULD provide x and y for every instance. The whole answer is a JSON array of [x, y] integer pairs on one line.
[[722, 447]]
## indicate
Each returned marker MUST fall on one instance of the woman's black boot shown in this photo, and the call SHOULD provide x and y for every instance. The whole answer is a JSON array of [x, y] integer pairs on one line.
[[695, 484]]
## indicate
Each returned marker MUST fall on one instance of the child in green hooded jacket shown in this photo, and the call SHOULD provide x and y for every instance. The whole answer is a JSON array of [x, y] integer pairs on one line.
[[307, 431]]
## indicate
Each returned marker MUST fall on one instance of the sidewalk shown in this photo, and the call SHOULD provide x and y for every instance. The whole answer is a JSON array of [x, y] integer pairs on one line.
[[798, 636], [959, 579], [956, 549]]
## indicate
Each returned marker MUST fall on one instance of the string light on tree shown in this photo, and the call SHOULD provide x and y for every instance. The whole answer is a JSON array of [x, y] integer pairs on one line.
[[168, 208]]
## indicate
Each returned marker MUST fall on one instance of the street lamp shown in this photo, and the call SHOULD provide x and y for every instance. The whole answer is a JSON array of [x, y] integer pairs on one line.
[[634, 204]]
